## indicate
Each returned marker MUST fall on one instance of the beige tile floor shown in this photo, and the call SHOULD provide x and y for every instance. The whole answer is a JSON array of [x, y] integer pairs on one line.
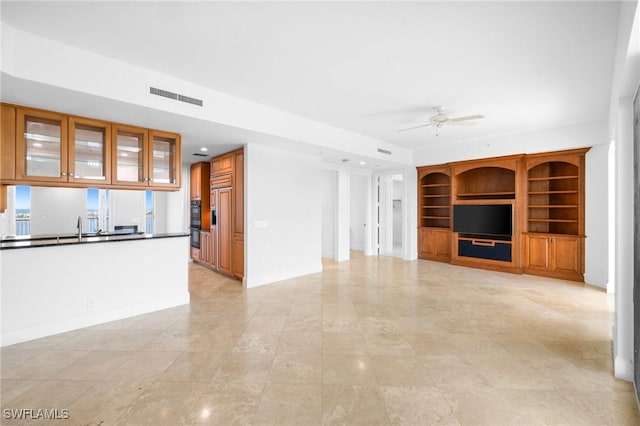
[[373, 341]]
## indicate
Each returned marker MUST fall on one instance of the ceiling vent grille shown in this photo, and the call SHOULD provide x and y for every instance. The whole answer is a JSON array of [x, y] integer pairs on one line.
[[175, 96], [198, 154], [384, 151]]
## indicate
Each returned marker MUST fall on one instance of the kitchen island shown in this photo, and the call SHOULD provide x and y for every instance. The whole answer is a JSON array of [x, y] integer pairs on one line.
[[52, 285]]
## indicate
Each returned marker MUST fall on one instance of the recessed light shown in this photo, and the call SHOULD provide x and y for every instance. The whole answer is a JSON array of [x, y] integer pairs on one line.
[[204, 149], [362, 163]]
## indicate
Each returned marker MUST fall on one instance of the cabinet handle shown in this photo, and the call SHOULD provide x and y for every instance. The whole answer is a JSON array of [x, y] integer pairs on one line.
[[483, 243], [71, 174], [63, 174]]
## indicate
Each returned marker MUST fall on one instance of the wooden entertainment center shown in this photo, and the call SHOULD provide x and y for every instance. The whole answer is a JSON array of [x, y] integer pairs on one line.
[[545, 193]]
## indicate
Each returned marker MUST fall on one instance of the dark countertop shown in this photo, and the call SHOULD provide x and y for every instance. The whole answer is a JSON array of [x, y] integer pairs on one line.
[[67, 239]]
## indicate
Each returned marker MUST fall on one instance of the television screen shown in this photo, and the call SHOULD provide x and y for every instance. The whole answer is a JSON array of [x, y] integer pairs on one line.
[[483, 219]]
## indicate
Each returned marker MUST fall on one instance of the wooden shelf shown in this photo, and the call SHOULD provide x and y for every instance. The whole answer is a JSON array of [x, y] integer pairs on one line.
[[436, 185], [552, 192], [447, 206], [555, 206], [553, 220], [436, 217], [542, 179], [436, 196], [487, 194]]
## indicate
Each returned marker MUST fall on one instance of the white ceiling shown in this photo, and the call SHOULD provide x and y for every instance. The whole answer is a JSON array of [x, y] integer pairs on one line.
[[371, 68]]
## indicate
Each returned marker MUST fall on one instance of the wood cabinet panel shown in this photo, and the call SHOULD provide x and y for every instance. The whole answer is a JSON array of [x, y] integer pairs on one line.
[[556, 256], [221, 181], [537, 252], [238, 257], [238, 193], [434, 244], [8, 143], [222, 164], [225, 230]]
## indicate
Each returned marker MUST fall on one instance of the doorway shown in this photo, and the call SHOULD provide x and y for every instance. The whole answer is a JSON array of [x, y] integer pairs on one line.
[[390, 208]]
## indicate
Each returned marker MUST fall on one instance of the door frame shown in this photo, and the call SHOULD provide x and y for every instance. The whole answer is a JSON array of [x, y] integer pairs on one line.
[[636, 232]]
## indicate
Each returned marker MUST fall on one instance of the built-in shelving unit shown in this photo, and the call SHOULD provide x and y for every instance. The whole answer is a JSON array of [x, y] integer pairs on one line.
[[434, 213], [554, 227], [546, 195]]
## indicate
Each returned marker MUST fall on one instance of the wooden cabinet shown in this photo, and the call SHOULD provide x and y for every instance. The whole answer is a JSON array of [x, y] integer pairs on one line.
[[238, 215], [145, 158], [557, 256], [199, 189], [226, 199], [89, 151], [222, 164], [47, 148], [488, 182], [56, 148], [434, 244], [41, 146], [8, 143], [164, 159], [224, 230], [554, 220], [206, 248], [7, 151], [546, 195], [434, 213]]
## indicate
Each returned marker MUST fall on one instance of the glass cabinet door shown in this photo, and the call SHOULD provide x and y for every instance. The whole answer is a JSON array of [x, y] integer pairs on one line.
[[129, 162], [41, 146], [164, 159], [89, 150]]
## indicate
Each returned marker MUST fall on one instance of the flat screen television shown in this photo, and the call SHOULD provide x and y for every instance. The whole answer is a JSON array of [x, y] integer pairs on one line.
[[483, 219]]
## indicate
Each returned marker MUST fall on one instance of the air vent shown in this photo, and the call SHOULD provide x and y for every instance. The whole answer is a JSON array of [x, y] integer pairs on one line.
[[199, 154], [384, 151], [175, 96]]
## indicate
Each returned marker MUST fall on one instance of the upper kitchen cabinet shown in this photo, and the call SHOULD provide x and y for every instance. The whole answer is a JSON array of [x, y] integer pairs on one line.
[[89, 150], [129, 162], [146, 158], [164, 159], [41, 146], [222, 164]]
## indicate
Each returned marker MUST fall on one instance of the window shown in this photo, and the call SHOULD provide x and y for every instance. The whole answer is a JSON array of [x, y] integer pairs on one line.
[[148, 212], [23, 210], [93, 209]]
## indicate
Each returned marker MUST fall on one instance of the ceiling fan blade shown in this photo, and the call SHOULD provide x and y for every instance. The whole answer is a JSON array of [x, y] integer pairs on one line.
[[460, 123], [468, 117], [416, 127]]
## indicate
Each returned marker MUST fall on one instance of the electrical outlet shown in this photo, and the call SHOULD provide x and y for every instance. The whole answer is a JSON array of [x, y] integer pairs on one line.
[[90, 304]]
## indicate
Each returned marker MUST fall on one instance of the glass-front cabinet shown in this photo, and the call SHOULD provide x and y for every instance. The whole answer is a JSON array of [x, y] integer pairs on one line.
[[89, 149], [164, 159], [145, 157], [41, 146], [55, 149], [129, 155], [52, 147]]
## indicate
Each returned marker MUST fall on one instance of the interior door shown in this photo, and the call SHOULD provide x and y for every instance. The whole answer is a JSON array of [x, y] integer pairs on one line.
[[636, 227]]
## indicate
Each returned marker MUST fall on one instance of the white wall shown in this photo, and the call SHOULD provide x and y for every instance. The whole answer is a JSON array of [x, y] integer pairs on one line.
[[597, 216], [77, 286], [625, 81], [56, 210], [357, 211], [283, 215], [329, 210], [127, 208]]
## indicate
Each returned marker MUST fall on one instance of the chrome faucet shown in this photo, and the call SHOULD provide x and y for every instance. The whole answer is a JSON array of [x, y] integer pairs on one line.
[[79, 226]]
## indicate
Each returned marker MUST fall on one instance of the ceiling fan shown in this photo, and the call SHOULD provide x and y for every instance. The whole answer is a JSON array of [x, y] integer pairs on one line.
[[441, 119]]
